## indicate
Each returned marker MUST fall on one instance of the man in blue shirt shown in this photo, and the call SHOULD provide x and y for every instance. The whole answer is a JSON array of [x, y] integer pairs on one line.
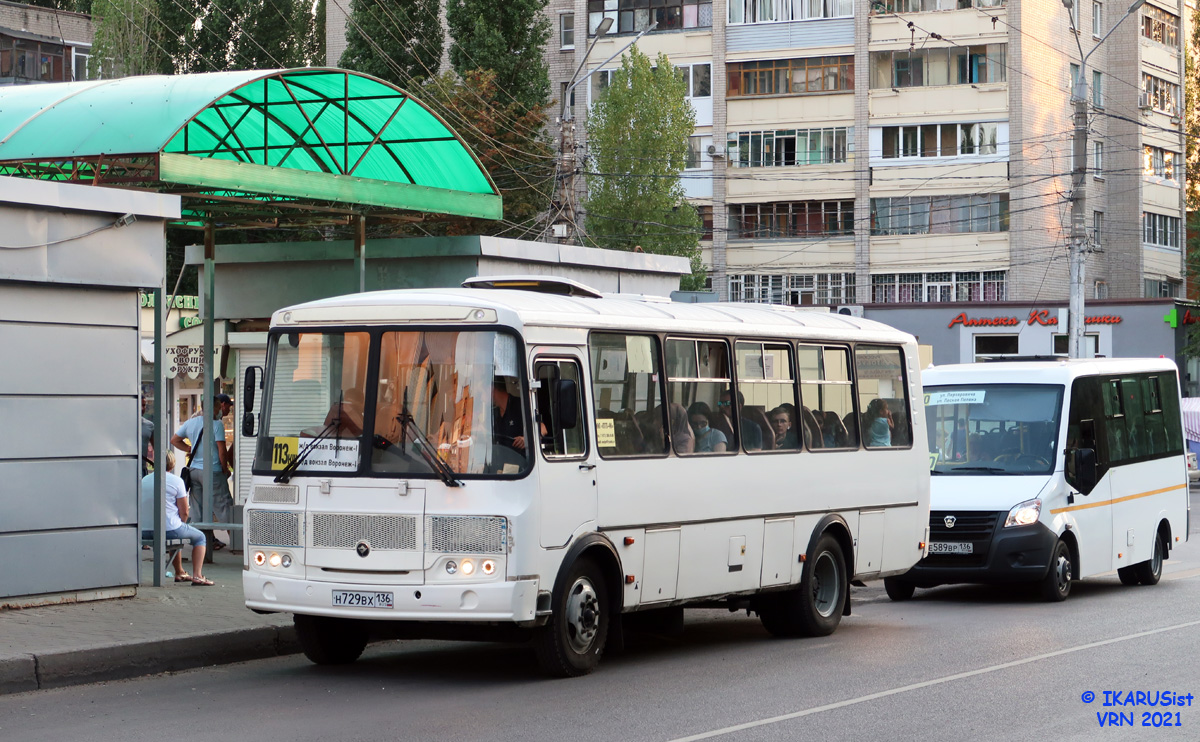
[[189, 435]]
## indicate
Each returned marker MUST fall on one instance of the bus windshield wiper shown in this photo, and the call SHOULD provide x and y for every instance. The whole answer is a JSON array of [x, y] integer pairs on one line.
[[428, 452], [977, 468], [290, 468]]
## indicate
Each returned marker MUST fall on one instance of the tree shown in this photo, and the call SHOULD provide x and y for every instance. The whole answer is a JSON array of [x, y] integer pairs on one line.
[[397, 40], [506, 37], [125, 38], [638, 133]]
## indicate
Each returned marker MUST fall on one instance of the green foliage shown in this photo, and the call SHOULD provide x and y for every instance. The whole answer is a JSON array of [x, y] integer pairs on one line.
[[126, 34], [505, 37], [396, 40], [1191, 125], [638, 133]]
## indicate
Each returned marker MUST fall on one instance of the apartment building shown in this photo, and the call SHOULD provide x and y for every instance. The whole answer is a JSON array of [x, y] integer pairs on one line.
[[915, 151], [44, 45]]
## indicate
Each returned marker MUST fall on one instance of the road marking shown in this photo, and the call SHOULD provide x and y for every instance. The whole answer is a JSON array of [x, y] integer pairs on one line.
[[1182, 575], [926, 684]]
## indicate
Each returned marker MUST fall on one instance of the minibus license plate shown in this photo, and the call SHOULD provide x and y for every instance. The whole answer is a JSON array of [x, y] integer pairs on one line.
[[948, 547], [357, 599]]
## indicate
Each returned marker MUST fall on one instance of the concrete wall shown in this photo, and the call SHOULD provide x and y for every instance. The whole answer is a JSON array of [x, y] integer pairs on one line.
[[69, 372]]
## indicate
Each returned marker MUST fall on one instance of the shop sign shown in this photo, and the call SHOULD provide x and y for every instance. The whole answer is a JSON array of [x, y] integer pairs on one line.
[[185, 360], [1173, 319], [1040, 317], [179, 302], [186, 322]]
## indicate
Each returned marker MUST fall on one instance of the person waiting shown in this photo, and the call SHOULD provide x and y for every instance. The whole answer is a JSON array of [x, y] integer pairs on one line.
[[175, 517], [708, 438], [785, 429]]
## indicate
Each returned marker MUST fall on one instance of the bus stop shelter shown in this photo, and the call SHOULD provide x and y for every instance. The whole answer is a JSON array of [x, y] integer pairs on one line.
[[278, 149]]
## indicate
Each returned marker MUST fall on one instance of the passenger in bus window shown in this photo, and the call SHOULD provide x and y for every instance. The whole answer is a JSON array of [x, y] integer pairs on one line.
[[878, 424], [508, 424], [708, 438], [836, 435], [958, 440], [785, 430], [814, 436], [752, 439]]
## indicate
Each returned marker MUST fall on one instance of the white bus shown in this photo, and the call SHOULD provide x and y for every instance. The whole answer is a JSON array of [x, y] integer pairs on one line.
[[530, 454], [1049, 471]]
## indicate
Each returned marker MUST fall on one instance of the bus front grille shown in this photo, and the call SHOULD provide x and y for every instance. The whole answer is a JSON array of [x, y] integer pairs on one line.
[[346, 530], [286, 494], [972, 527], [449, 534], [272, 528]]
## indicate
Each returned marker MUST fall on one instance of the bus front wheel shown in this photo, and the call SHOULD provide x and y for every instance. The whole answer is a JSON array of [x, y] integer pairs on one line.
[[330, 641], [814, 608], [571, 642], [1056, 585], [898, 589]]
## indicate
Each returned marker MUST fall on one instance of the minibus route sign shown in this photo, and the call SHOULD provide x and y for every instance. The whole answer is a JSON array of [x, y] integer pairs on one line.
[[971, 396]]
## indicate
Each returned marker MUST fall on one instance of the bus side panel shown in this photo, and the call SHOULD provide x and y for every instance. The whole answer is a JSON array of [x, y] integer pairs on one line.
[[719, 558], [868, 555], [1135, 512]]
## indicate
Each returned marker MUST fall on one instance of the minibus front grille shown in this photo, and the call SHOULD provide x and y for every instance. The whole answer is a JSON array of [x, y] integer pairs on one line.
[[347, 530], [272, 528], [973, 527]]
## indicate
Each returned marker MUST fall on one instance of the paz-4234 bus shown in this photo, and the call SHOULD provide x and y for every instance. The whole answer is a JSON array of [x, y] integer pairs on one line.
[[527, 457]]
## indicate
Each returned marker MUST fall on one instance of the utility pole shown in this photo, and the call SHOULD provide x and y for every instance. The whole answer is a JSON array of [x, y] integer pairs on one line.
[[1079, 141]]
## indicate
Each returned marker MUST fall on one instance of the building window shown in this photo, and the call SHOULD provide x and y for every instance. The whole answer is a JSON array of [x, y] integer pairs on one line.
[[792, 289], [1157, 289], [1159, 95], [1160, 229], [776, 11], [790, 76], [987, 212], [1072, 77], [635, 16], [939, 140], [785, 147], [1100, 290], [697, 154], [879, 7], [989, 346], [1073, 11], [1097, 89], [892, 288], [1098, 159], [35, 61], [1158, 162], [960, 65], [1097, 19], [706, 220], [1159, 25], [566, 30], [791, 220], [1097, 227], [1091, 345], [701, 81]]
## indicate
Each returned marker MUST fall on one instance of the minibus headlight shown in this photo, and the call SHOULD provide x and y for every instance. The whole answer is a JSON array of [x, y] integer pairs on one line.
[[468, 567], [1024, 514]]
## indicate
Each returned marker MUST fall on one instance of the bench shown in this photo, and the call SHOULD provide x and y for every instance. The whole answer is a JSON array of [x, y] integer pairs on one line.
[[170, 547]]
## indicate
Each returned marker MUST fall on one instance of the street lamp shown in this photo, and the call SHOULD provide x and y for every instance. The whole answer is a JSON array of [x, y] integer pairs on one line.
[[1079, 94], [565, 167]]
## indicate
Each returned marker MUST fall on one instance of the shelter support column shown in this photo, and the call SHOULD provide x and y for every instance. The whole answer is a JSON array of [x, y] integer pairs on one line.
[[209, 452], [360, 251], [160, 438]]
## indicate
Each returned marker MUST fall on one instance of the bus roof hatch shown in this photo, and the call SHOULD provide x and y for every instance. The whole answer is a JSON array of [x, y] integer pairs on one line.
[[537, 284]]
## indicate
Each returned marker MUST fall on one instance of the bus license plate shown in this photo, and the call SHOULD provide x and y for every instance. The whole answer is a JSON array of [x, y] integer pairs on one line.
[[355, 599], [949, 547]]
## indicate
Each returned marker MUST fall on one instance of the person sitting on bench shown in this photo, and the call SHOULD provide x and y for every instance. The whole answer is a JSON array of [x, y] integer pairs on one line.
[[174, 522]]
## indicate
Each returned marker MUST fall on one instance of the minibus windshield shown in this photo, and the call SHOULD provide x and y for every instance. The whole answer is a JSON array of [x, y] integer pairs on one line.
[[434, 404], [982, 429]]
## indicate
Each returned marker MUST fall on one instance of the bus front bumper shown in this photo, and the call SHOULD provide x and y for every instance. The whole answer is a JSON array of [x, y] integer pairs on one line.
[[514, 601], [1019, 554]]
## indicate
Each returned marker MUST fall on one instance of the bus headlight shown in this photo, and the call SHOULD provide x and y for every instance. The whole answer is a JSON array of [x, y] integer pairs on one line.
[[275, 560], [488, 567], [451, 567], [286, 560], [260, 558], [1024, 514], [468, 567]]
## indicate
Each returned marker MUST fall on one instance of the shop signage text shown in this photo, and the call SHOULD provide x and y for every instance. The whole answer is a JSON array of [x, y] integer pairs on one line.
[[178, 302], [1173, 319], [1040, 317]]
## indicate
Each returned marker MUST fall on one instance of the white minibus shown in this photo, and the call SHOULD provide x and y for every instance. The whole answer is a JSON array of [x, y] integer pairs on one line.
[[529, 457], [1047, 471]]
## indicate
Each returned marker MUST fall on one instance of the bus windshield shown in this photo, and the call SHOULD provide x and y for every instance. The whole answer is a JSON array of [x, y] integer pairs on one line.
[[435, 404], [993, 428]]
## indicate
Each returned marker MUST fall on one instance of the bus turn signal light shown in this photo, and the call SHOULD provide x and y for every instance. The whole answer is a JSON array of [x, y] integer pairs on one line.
[[629, 579], [629, 540], [920, 544]]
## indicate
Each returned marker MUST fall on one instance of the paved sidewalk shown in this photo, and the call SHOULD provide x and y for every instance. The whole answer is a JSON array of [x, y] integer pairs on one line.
[[162, 629]]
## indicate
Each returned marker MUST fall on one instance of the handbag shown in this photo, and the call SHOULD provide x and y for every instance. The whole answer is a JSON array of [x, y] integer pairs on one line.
[[186, 476]]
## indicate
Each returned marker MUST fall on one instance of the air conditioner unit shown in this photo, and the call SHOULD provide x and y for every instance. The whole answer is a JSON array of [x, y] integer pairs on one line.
[[714, 152], [851, 310]]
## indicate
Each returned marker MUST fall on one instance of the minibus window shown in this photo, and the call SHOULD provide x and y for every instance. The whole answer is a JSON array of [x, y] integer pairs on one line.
[[986, 429]]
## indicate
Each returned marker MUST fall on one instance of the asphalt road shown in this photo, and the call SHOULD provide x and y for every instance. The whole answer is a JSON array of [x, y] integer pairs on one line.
[[954, 664]]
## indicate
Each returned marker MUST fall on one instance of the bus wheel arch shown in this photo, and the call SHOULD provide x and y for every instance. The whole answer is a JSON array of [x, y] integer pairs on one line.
[[1073, 545], [836, 526], [588, 579]]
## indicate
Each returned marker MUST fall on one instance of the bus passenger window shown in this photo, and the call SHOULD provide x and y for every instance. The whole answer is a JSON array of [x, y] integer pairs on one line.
[[625, 372], [557, 438], [827, 418], [698, 381], [883, 397], [767, 384]]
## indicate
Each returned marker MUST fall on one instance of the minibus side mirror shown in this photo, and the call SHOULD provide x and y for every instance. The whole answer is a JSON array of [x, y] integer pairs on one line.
[[251, 384], [566, 394], [1081, 469]]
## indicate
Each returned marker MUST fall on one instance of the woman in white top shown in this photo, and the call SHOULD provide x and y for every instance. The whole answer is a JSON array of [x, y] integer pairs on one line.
[[175, 522]]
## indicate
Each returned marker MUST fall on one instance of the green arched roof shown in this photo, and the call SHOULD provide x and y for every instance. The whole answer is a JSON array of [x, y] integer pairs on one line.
[[309, 142]]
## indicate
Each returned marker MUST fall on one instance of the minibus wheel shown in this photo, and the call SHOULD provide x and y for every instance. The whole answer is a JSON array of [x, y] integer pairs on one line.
[[572, 640], [897, 589], [1150, 572], [1127, 575], [1056, 585], [814, 608], [330, 641]]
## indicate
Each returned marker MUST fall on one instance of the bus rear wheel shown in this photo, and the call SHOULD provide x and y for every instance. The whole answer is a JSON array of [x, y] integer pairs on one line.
[[815, 607], [1150, 572], [571, 642], [330, 641]]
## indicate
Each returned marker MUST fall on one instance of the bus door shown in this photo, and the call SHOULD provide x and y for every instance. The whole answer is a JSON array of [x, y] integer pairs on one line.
[[567, 471], [1091, 513]]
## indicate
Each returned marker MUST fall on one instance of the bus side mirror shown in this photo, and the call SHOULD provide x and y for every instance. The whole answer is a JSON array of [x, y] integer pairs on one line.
[[566, 395], [251, 384], [1081, 469]]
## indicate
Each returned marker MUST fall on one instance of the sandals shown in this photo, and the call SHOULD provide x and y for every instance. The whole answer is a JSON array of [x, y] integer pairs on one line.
[[218, 545], [202, 582], [183, 577]]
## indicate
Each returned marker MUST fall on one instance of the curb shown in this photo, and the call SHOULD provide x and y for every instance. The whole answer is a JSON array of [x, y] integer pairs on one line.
[[122, 661]]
